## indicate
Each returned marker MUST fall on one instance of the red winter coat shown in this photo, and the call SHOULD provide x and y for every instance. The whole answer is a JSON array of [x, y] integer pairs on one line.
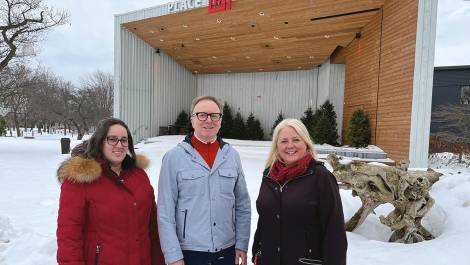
[[103, 220]]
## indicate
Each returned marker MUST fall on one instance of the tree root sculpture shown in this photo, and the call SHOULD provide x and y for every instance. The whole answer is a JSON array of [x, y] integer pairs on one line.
[[407, 191]]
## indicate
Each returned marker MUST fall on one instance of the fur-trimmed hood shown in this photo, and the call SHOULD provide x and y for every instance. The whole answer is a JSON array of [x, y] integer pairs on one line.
[[83, 170]]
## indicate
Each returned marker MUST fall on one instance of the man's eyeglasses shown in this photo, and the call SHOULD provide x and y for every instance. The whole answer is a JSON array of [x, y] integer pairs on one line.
[[202, 116], [113, 140]]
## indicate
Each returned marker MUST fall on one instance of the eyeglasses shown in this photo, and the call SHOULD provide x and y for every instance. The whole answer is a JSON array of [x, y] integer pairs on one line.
[[113, 140], [202, 116]]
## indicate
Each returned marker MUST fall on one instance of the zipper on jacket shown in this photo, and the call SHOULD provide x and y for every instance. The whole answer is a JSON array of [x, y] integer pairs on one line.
[[97, 253], [281, 187], [184, 226], [233, 220]]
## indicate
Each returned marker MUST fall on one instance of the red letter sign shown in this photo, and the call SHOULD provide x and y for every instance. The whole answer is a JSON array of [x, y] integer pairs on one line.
[[219, 5]]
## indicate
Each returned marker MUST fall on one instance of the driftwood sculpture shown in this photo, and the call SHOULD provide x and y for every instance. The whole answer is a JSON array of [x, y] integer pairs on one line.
[[407, 191]]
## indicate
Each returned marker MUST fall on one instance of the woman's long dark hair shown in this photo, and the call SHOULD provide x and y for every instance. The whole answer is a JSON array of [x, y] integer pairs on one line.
[[96, 141]]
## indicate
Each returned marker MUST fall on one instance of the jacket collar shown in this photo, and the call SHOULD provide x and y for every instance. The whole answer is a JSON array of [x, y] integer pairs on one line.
[[84, 170], [197, 158], [187, 139], [310, 170]]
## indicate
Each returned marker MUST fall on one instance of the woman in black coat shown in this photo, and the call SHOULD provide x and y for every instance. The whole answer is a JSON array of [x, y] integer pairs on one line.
[[300, 213]]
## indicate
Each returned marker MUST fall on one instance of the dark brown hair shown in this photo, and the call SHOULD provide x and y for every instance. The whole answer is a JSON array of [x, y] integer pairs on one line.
[[95, 143]]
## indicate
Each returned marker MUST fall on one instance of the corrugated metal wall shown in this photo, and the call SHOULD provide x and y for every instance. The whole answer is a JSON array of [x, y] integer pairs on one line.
[[323, 83], [331, 87], [264, 94], [174, 89], [337, 80], [135, 85], [133, 74]]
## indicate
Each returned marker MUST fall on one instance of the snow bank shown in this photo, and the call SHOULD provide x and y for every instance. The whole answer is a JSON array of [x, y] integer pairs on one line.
[[29, 195]]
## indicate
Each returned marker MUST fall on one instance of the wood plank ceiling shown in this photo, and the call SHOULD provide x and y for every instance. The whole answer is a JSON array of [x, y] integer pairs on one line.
[[258, 35]]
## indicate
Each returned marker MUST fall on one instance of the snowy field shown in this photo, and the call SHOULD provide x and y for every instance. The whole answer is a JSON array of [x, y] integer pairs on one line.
[[29, 195]]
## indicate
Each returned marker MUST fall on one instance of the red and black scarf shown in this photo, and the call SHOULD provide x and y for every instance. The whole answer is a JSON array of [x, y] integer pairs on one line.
[[281, 172]]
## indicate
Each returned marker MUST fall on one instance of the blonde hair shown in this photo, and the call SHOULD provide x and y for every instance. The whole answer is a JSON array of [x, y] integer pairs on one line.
[[299, 128], [201, 98]]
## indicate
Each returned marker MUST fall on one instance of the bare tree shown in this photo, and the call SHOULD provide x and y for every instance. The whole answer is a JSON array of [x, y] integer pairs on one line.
[[92, 101], [101, 88], [38, 97], [6, 84], [454, 125], [39, 111], [23, 24], [61, 101], [14, 95], [84, 106]]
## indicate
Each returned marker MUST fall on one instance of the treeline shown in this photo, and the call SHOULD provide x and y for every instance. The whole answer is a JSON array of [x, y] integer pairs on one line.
[[321, 125], [323, 128], [35, 97], [232, 127]]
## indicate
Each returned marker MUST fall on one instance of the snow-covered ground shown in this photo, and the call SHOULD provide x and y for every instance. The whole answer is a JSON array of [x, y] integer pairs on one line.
[[29, 195]]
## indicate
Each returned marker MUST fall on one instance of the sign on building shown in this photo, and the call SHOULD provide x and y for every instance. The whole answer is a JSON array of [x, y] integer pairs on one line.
[[219, 5], [183, 5]]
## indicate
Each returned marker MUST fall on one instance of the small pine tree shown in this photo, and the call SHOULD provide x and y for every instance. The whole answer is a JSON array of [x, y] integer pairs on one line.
[[3, 127], [280, 117], [182, 123], [259, 132], [359, 132], [253, 128], [309, 120], [238, 128], [227, 122], [325, 130]]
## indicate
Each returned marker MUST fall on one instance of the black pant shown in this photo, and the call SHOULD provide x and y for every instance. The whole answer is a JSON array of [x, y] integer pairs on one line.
[[224, 257]]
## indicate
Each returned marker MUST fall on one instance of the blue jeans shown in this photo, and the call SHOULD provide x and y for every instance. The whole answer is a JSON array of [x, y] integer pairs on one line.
[[223, 257]]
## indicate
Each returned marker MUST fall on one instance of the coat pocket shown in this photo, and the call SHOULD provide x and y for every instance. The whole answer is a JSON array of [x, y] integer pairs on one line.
[[192, 183], [310, 261], [184, 224], [227, 179]]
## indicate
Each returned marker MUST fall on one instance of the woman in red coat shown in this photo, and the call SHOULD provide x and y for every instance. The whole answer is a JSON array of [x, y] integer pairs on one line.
[[107, 211]]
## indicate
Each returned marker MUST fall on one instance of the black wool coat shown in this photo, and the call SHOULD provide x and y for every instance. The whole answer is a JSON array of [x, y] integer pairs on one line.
[[300, 221]]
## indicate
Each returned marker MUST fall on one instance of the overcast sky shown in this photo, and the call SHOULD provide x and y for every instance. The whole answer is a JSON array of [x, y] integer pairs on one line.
[[86, 45]]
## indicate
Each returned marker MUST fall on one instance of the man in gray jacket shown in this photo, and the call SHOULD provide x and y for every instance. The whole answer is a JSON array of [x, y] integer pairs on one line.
[[203, 203]]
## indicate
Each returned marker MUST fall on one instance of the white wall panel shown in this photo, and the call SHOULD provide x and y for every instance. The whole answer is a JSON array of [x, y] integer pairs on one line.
[[337, 81], [331, 80], [324, 73], [133, 74], [265, 94], [174, 89], [150, 89], [423, 83], [135, 85]]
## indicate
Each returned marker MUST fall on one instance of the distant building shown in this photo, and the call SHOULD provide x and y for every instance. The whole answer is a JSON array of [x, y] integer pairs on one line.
[[451, 85]]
